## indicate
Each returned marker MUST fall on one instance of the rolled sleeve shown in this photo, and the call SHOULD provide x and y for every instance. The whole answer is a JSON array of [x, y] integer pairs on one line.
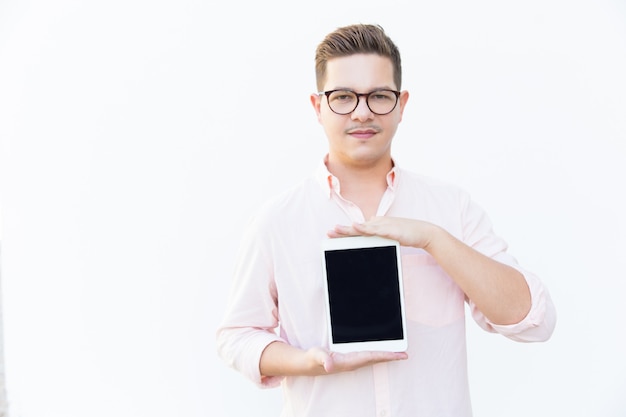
[[241, 349], [251, 319], [539, 323]]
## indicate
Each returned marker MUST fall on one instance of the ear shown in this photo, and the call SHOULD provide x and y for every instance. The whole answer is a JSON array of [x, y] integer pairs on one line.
[[316, 101], [404, 97]]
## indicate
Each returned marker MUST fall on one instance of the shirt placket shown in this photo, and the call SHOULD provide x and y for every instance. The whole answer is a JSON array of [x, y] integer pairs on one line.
[[381, 390], [385, 202]]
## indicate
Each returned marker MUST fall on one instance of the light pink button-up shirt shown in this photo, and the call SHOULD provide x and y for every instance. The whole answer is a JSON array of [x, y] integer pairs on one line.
[[278, 296]]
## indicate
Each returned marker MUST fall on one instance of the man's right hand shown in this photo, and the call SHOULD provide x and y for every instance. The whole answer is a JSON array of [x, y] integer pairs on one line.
[[333, 362], [280, 359]]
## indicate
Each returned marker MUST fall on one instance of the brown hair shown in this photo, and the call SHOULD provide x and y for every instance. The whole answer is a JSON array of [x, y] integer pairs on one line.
[[356, 39]]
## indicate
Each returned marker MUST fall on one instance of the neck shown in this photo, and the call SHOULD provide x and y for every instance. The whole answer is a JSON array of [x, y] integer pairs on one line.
[[361, 182], [371, 173]]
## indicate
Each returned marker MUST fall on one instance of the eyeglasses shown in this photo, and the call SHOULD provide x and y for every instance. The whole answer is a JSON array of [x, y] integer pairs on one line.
[[379, 102]]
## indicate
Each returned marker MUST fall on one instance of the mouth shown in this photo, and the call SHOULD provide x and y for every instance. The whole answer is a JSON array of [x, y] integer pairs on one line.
[[363, 133]]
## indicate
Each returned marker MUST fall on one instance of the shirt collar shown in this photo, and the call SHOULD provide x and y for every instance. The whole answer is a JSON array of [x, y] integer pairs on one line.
[[330, 183]]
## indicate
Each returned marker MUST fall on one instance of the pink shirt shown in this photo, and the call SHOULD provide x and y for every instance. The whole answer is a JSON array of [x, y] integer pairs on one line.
[[278, 296]]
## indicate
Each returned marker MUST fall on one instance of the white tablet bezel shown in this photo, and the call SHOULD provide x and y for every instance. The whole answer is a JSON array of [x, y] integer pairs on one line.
[[356, 242]]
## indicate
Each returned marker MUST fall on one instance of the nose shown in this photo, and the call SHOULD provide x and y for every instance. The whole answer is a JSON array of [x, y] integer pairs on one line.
[[362, 112]]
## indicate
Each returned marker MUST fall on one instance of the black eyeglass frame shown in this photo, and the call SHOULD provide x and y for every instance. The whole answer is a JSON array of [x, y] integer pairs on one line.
[[358, 99]]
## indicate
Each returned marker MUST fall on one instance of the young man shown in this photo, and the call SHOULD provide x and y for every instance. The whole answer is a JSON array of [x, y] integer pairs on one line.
[[449, 256]]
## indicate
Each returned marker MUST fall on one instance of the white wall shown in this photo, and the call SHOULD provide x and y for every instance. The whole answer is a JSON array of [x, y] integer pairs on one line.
[[138, 136]]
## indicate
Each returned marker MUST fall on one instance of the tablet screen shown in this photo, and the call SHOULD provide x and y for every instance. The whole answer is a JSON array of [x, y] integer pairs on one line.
[[364, 294]]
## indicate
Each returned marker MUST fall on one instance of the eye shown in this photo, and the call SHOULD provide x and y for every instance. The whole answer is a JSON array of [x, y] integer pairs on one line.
[[343, 96], [382, 96]]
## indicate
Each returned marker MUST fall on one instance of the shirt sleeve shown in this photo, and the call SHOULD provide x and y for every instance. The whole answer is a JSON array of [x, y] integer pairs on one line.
[[251, 318], [539, 323]]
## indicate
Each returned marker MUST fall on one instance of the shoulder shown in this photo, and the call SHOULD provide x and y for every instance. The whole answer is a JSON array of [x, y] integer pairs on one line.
[[288, 204], [292, 198]]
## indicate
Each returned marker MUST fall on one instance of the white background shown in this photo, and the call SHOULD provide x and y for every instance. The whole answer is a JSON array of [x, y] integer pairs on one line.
[[138, 136]]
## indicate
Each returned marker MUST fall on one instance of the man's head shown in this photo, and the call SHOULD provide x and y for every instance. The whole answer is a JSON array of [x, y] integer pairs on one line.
[[359, 102], [352, 40]]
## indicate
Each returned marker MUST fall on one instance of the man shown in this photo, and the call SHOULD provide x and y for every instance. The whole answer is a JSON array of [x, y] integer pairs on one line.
[[449, 256]]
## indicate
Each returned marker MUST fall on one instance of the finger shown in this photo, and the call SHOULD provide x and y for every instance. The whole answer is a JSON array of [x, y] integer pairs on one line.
[[383, 356], [341, 231], [329, 364], [335, 234], [362, 228], [396, 356], [323, 358]]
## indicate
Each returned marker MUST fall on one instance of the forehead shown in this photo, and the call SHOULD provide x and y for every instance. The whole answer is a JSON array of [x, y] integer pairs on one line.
[[360, 72]]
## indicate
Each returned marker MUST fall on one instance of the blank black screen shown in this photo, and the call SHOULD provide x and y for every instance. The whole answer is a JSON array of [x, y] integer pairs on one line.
[[364, 294]]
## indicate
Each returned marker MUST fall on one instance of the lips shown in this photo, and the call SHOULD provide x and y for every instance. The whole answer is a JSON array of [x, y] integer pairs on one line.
[[362, 133]]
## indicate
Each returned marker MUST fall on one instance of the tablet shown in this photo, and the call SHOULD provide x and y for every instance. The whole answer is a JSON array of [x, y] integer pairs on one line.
[[364, 294]]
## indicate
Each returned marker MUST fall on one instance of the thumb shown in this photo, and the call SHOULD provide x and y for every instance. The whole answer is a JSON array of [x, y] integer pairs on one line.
[[327, 362]]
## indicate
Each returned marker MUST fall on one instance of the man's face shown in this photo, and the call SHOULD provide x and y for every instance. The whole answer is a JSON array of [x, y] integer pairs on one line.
[[361, 138]]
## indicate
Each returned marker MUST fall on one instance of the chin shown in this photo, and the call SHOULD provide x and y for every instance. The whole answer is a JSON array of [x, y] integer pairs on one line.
[[369, 159]]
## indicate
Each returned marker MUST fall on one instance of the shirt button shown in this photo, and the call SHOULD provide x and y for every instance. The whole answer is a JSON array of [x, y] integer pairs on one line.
[[383, 413]]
